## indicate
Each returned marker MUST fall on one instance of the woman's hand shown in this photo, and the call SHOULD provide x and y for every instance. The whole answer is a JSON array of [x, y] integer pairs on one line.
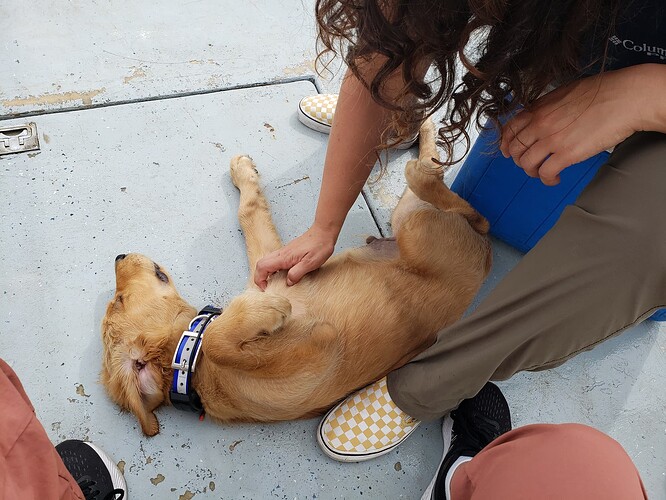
[[575, 122], [350, 156], [301, 256]]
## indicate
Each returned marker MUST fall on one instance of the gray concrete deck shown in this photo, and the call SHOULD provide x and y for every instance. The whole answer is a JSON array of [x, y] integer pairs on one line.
[[138, 121]]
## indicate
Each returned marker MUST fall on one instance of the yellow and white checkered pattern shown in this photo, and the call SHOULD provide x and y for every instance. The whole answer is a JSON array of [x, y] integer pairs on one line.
[[320, 109], [317, 111], [365, 424]]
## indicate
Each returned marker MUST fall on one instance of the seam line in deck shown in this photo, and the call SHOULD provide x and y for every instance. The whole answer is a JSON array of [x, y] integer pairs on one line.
[[306, 78]]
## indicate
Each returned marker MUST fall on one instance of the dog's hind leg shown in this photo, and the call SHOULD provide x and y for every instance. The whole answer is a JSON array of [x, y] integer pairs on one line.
[[254, 214], [437, 231], [424, 178], [428, 177]]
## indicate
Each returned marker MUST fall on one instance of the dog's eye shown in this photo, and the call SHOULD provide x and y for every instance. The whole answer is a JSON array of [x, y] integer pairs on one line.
[[120, 299], [160, 275]]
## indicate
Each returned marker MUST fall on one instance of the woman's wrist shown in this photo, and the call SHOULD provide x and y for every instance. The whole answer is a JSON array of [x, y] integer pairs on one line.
[[330, 229], [648, 89]]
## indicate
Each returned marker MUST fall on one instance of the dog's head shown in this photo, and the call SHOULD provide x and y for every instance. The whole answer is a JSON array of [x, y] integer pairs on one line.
[[136, 332]]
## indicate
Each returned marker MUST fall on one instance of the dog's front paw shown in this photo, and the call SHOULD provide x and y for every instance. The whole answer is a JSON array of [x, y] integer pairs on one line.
[[243, 170]]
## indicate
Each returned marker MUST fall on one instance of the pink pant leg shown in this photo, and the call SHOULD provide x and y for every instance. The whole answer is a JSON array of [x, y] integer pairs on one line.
[[566, 461], [30, 467]]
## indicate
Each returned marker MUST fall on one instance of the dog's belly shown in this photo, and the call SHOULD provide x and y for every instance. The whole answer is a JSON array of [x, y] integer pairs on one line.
[[385, 248]]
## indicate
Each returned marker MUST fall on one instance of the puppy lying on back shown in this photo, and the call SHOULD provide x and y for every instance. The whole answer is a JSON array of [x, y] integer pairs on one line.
[[293, 352]]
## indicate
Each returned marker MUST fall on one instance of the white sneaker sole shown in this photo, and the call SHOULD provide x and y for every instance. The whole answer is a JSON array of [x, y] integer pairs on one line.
[[310, 122], [117, 478], [447, 430]]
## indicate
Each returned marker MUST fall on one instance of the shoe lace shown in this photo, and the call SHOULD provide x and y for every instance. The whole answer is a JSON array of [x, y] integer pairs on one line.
[[88, 487], [113, 495], [90, 492]]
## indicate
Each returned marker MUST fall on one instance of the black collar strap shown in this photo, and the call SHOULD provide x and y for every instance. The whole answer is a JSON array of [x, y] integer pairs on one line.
[[182, 394]]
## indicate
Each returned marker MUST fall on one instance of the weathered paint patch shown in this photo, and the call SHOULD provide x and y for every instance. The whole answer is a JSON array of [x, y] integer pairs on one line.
[[137, 72], [201, 61], [383, 196], [303, 68], [157, 480], [188, 495], [60, 98], [80, 390]]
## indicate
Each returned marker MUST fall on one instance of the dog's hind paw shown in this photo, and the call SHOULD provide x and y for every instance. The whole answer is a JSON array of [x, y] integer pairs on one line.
[[243, 170]]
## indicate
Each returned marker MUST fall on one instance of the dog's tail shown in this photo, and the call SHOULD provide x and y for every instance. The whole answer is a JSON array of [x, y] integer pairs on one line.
[[425, 179]]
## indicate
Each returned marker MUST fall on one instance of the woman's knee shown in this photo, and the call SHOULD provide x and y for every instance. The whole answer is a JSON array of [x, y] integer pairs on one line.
[[565, 460]]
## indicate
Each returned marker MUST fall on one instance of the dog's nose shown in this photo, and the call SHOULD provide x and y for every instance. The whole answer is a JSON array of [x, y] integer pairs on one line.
[[120, 257]]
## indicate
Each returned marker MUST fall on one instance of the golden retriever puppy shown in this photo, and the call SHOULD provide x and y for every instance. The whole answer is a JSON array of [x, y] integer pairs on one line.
[[293, 352]]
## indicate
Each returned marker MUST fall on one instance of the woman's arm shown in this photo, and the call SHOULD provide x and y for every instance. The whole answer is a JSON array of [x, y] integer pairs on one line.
[[356, 132], [577, 121]]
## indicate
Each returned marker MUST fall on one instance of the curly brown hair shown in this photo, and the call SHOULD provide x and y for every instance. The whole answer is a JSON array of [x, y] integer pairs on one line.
[[507, 51]]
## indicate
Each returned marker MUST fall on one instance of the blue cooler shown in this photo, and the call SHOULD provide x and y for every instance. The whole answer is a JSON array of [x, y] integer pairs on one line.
[[520, 209]]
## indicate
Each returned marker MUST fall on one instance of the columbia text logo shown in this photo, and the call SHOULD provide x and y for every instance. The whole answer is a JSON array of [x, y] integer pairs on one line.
[[642, 48]]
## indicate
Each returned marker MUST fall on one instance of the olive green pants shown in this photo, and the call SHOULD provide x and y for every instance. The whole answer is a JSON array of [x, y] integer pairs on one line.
[[599, 270]]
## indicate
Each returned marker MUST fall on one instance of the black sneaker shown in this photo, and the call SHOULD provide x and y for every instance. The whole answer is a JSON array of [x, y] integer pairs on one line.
[[467, 430], [97, 475]]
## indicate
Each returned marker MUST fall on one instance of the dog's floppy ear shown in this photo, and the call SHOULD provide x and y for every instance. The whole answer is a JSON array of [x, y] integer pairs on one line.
[[247, 324], [133, 377]]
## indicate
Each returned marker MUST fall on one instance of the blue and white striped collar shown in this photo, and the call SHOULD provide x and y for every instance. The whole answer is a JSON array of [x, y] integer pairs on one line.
[[182, 394]]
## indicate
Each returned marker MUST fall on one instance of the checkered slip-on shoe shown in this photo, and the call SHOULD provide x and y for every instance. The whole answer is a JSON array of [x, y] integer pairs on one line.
[[366, 425], [317, 111]]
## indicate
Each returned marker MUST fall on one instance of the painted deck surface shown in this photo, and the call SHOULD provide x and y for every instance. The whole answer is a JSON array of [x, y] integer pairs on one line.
[[64, 55], [153, 177]]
